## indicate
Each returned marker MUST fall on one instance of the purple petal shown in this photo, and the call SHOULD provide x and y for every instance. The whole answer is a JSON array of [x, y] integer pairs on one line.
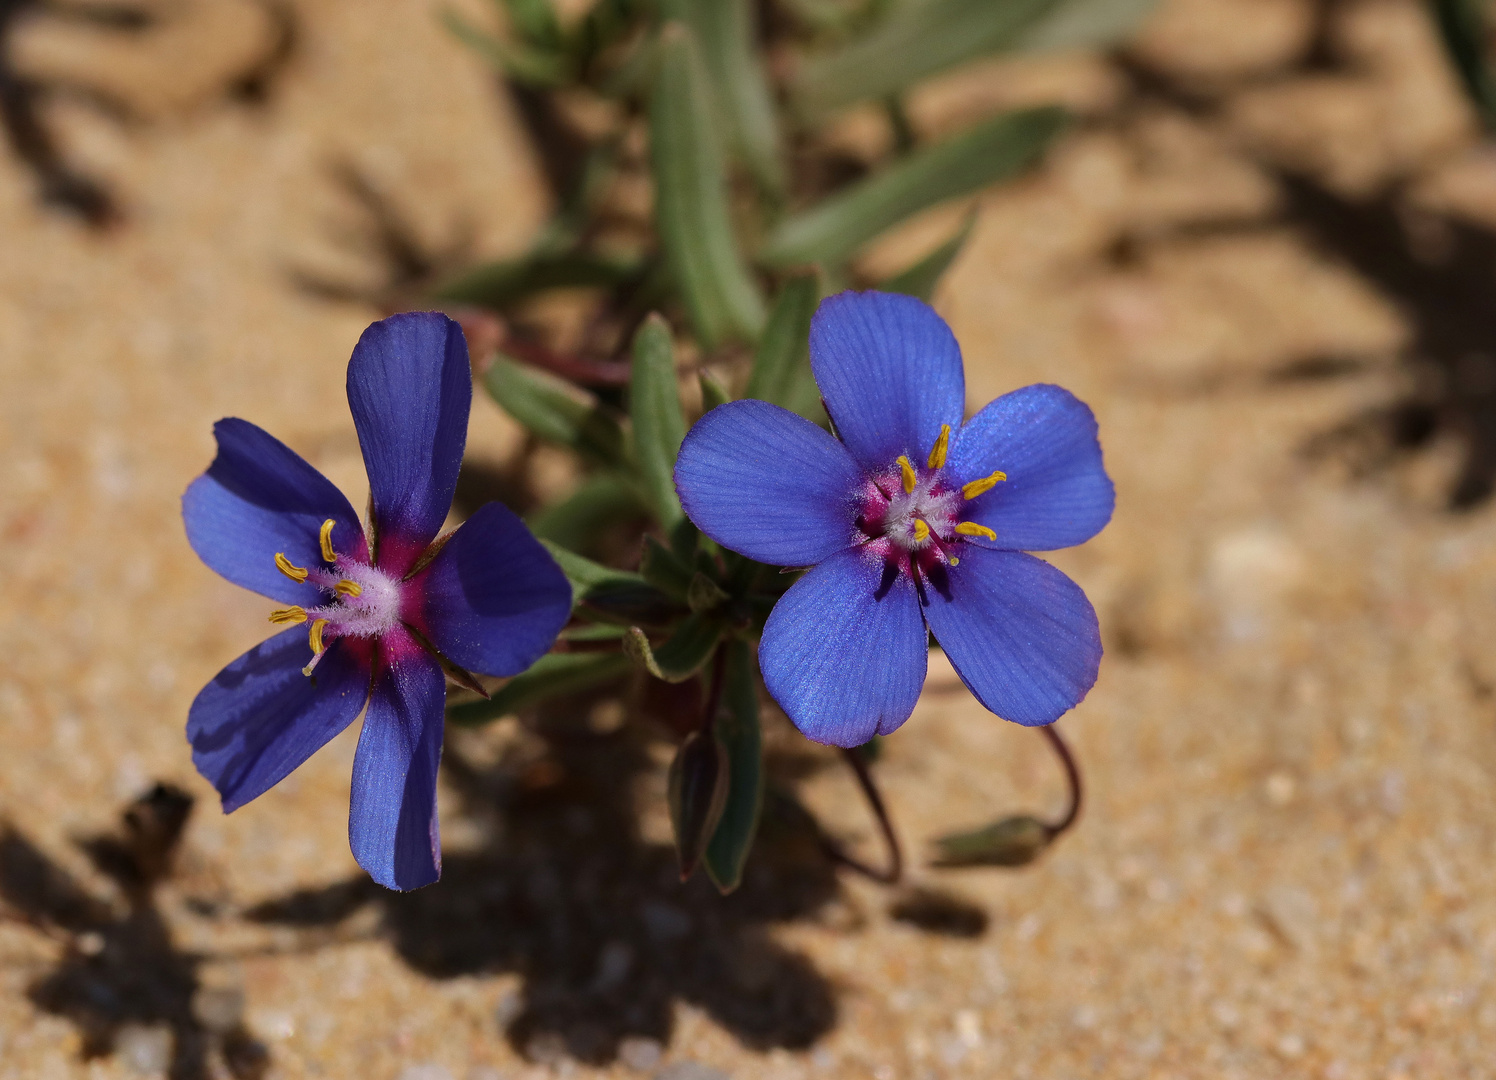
[[844, 651], [890, 373], [1022, 636], [259, 497], [1057, 493], [392, 820], [410, 389], [493, 599], [768, 484], [261, 717]]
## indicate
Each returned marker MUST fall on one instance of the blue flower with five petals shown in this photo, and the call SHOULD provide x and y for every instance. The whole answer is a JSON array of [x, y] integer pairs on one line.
[[374, 616], [913, 521]]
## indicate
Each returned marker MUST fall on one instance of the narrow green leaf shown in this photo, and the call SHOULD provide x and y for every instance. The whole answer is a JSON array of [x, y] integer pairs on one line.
[[784, 348], [683, 654], [738, 730], [664, 569], [917, 40], [575, 522], [555, 410], [696, 792], [500, 284], [1465, 32], [713, 393], [997, 149], [1083, 24], [691, 207], [522, 63], [551, 676], [704, 594], [921, 278], [659, 424], [728, 38], [536, 22]]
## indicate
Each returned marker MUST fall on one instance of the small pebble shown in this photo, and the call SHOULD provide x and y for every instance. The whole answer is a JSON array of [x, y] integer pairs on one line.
[[641, 1053], [147, 1050]]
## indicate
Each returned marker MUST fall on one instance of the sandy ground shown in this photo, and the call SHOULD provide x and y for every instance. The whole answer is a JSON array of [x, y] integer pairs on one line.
[[1284, 864]]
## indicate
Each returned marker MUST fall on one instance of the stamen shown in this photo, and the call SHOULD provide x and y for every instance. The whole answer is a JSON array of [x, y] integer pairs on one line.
[[314, 637], [971, 528], [348, 588], [910, 480], [937, 455], [288, 616], [953, 560], [921, 531], [290, 569], [328, 555], [985, 484]]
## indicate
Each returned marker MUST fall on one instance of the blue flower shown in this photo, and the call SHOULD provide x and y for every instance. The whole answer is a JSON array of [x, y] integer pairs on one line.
[[911, 521], [374, 616]]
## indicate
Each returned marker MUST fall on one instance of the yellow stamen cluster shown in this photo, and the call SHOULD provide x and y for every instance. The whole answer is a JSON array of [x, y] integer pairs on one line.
[[971, 528], [290, 569], [942, 444], [910, 480], [288, 616], [985, 484], [348, 588], [328, 555]]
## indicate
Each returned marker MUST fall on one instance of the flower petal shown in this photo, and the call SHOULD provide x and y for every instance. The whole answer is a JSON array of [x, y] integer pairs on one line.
[[768, 484], [890, 373], [261, 717], [1057, 493], [493, 599], [1022, 636], [410, 389], [392, 818], [260, 497], [844, 651]]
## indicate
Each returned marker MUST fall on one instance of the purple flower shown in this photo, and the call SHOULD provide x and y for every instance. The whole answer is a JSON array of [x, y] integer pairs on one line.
[[374, 616], [911, 521]]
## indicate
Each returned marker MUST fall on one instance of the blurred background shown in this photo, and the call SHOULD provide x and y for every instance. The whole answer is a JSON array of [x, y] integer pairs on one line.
[[1260, 240]]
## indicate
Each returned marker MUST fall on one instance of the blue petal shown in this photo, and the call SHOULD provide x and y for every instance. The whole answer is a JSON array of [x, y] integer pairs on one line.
[[493, 599], [890, 373], [844, 651], [410, 389], [260, 497], [1022, 636], [261, 717], [392, 820], [1057, 493], [768, 484]]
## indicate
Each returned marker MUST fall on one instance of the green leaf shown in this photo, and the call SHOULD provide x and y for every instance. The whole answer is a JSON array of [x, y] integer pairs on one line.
[[782, 360], [921, 278], [704, 594], [1083, 24], [551, 676], [691, 207], [1013, 841], [683, 654], [500, 284], [522, 63], [664, 569], [555, 410], [659, 424], [916, 41], [726, 33], [696, 793], [994, 150], [575, 522], [536, 22], [737, 729], [713, 393], [1463, 28]]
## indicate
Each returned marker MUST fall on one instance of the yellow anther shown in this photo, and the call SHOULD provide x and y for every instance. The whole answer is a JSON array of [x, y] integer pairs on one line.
[[314, 637], [937, 455], [971, 528], [954, 561], [290, 569], [986, 483], [328, 555], [348, 588], [921, 531], [908, 470], [288, 616]]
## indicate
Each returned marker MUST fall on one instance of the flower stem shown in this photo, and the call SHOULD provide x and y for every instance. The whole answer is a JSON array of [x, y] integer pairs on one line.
[[1072, 778], [837, 853]]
